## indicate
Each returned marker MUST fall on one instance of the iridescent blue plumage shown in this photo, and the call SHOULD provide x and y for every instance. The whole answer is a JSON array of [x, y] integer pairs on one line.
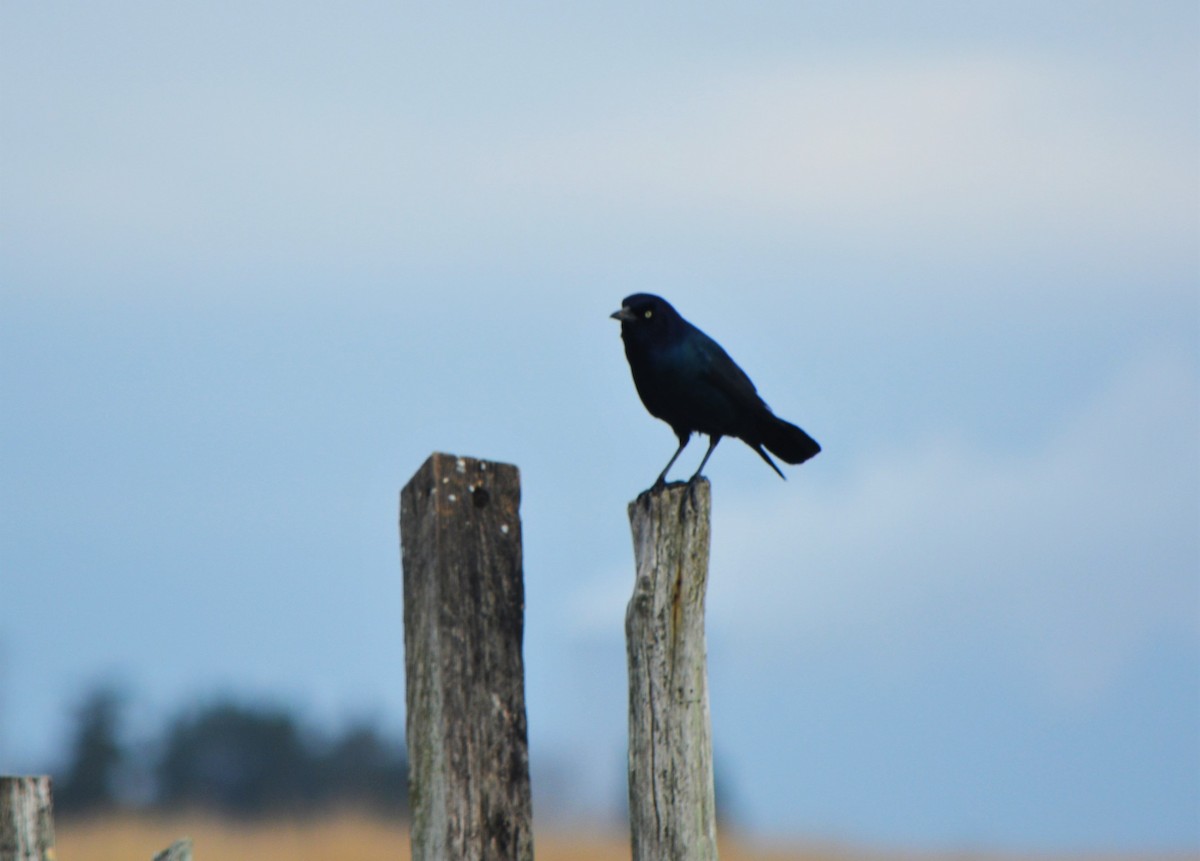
[[686, 379]]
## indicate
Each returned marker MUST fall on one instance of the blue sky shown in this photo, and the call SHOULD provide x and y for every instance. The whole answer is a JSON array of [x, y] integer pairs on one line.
[[258, 260]]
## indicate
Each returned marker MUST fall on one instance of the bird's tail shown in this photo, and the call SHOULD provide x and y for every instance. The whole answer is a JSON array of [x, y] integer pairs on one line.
[[786, 441]]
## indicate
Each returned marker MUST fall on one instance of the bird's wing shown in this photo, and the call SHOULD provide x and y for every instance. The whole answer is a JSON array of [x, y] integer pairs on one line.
[[723, 374]]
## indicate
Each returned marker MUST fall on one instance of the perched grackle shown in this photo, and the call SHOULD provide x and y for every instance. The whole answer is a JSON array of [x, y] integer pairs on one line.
[[687, 380]]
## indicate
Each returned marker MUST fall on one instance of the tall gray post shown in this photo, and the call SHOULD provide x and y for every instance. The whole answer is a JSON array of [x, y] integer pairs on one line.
[[672, 811]]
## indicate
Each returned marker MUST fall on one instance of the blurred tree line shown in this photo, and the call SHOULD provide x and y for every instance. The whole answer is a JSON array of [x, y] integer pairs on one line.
[[229, 758]]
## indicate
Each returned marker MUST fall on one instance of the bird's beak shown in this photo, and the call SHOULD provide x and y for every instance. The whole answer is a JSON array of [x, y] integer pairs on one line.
[[624, 315]]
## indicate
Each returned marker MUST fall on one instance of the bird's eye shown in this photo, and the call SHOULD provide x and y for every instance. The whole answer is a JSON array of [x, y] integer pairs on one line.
[[648, 314]]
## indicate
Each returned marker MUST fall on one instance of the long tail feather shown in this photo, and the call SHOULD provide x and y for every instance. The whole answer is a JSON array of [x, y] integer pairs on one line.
[[786, 441], [767, 458]]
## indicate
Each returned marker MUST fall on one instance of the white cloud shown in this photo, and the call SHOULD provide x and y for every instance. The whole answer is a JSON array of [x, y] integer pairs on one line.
[[940, 154], [1067, 562], [992, 151]]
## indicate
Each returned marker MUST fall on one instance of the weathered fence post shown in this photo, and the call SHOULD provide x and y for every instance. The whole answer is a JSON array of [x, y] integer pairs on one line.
[[26, 819], [464, 606], [672, 812]]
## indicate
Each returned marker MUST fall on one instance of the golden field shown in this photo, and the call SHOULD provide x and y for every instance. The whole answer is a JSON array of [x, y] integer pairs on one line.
[[325, 838], [351, 836]]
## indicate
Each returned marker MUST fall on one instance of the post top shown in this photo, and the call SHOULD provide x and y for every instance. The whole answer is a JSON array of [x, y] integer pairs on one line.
[[441, 464], [675, 493]]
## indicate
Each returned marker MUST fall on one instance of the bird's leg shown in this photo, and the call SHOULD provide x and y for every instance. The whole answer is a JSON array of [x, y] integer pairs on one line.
[[713, 440], [662, 476]]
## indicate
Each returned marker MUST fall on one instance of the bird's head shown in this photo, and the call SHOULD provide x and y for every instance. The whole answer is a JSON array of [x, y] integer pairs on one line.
[[645, 314]]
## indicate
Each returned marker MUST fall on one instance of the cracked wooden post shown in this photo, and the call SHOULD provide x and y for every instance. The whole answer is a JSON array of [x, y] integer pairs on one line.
[[26, 819], [672, 812], [464, 606]]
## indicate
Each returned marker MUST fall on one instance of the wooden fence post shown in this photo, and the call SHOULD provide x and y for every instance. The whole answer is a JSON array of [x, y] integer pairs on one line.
[[672, 811], [26, 819], [464, 605]]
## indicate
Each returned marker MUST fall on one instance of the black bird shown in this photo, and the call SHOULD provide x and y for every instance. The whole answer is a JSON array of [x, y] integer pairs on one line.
[[687, 380]]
